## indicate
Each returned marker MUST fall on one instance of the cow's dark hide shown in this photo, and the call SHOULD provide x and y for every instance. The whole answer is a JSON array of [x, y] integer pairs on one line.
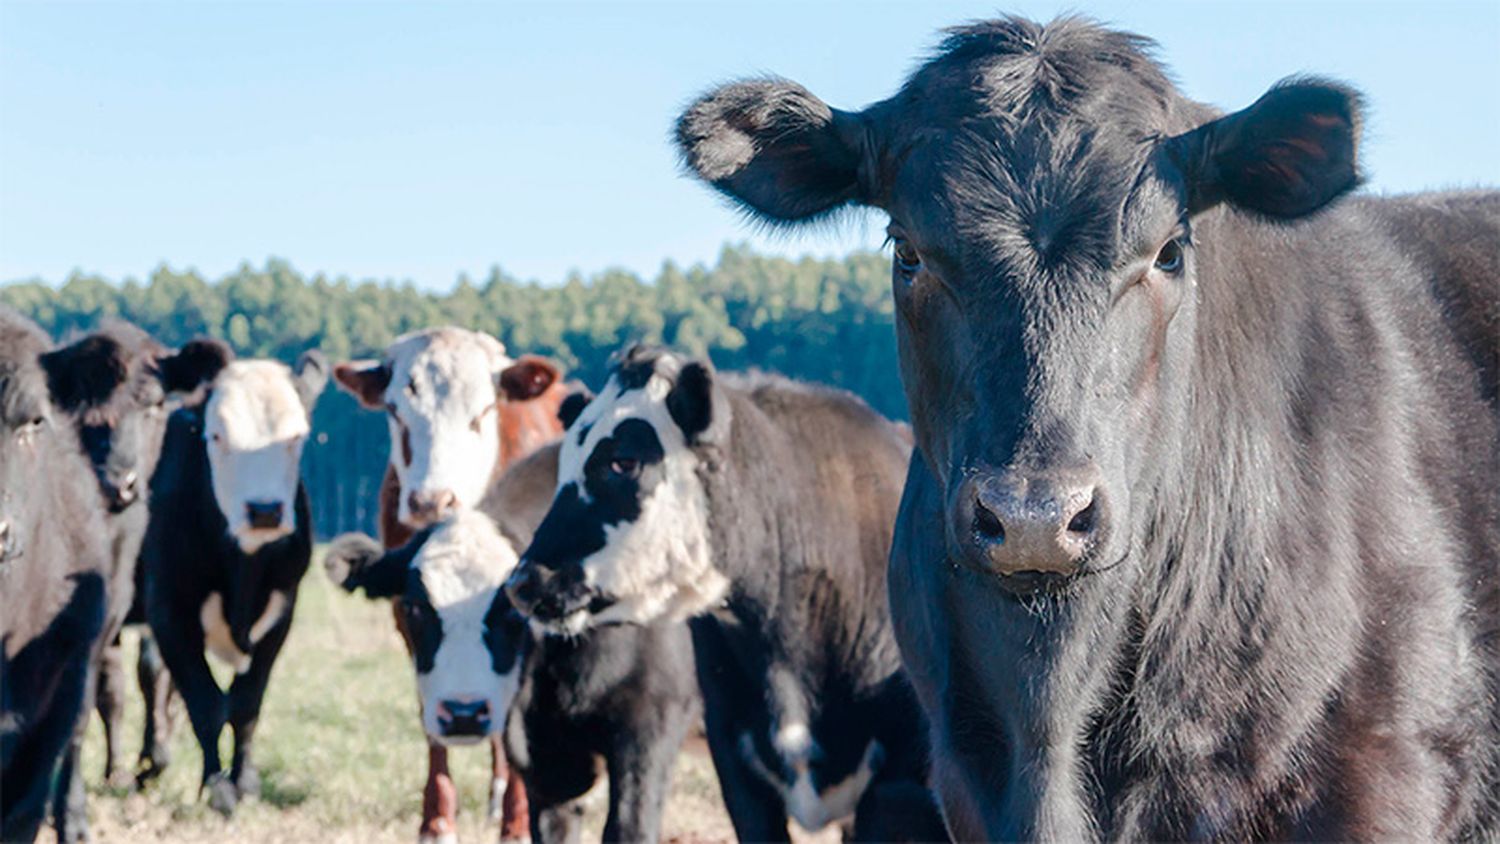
[[760, 508], [112, 387], [232, 592], [53, 568], [1202, 540]]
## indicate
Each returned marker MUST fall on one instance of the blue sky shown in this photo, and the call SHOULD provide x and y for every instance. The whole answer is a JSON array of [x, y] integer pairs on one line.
[[416, 142]]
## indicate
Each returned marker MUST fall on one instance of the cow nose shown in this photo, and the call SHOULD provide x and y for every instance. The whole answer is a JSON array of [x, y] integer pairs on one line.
[[1046, 523], [464, 717], [432, 506], [127, 488], [4, 539], [525, 587], [264, 514]]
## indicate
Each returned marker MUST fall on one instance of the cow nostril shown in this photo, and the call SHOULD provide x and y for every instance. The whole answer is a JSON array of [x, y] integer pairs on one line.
[[127, 483], [987, 525], [1083, 521]]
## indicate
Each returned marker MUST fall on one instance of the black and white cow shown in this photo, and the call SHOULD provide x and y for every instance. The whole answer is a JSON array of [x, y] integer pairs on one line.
[[112, 385], [626, 694], [54, 565], [762, 509], [229, 539]]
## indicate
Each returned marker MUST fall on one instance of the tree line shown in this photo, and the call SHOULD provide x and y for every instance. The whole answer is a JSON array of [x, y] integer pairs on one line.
[[826, 320]]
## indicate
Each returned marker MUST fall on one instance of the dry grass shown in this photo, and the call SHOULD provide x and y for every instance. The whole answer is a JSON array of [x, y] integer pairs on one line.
[[341, 753]]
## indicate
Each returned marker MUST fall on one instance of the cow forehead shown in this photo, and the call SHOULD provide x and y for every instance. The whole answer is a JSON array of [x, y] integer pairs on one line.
[[255, 403], [615, 404], [463, 560], [449, 368]]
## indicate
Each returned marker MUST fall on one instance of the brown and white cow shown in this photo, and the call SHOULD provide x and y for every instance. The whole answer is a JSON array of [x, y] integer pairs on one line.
[[460, 410]]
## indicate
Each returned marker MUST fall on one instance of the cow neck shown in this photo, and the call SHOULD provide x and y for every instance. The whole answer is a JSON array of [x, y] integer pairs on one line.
[[1227, 536]]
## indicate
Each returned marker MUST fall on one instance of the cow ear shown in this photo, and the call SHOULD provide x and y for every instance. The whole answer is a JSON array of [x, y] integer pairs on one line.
[[1290, 153], [527, 378], [198, 362], [366, 380], [572, 406], [697, 406], [311, 375], [355, 561], [777, 150], [86, 371]]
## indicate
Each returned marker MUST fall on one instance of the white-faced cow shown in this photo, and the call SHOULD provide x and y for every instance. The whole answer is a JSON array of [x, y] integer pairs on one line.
[[54, 567], [229, 539], [460, 410], [761, 509], [112, 386], [1203, 541]]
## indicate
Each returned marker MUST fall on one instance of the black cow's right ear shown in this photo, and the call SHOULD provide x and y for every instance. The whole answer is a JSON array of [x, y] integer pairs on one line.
[[1291, 152], [572, 406], [366, 380], [198, 362], [776, 149], [83, 372], [355, 561]]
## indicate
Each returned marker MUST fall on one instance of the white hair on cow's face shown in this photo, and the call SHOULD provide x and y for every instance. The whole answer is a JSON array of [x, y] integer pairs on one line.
[[255, 425], [442, 408], [659, 565], [462, 566]]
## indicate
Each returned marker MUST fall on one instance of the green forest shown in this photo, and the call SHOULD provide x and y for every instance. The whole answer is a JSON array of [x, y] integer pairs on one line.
[[819, 320]]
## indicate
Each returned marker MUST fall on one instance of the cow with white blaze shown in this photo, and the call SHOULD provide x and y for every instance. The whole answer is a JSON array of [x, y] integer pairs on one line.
[[229, 538], [761, 509]]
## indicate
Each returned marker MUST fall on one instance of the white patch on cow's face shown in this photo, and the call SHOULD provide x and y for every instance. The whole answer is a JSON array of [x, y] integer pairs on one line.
[[255, 426], [444, 420], [660, 564], [462, 567]]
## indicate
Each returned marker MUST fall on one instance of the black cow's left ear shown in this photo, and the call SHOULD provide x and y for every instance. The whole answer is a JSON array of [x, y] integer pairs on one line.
[[311, 376], [197, 362], [698, 408], [355, 561], [776, 149], [1290, 153]]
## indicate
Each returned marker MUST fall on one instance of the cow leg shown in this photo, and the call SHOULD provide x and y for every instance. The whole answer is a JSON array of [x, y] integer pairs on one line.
[[640, 772], [559, 779], [898, 810], [439, 800], [69, 799], [156, 690], [507, 796], [181, 642], [110, 703], [246, 694]]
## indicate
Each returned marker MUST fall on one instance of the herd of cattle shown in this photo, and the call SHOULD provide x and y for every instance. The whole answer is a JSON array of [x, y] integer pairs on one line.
[[1195, 533]]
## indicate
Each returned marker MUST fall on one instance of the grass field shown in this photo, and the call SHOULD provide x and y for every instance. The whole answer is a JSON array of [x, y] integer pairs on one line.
[[340, 751]]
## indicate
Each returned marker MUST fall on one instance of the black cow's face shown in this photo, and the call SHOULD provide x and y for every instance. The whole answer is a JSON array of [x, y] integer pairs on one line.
[[1042, 186], [466, 639], [626, 538], [26, 428]]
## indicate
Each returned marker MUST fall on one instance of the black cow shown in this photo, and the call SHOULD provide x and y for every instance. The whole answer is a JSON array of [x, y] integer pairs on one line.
[[112, 385], [1204, 537], [626, 694], [54, 564], [229, 539], [762, 509]]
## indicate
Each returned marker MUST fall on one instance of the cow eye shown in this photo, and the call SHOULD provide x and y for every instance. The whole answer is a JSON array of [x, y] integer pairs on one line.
[[908, 260], [1169, 259], [625, 467], [29, 429]]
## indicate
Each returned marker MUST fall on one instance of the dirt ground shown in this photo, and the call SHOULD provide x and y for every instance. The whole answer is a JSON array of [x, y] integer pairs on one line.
[[341, 753]]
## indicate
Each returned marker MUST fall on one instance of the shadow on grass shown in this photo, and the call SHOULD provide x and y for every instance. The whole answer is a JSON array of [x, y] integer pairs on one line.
[[277, 792]]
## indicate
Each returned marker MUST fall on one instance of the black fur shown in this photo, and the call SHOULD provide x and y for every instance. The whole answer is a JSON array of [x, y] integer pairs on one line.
[[1286, 623], [54, 565]]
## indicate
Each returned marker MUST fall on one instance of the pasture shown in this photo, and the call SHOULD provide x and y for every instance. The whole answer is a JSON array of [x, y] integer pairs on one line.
[[341, 753]]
